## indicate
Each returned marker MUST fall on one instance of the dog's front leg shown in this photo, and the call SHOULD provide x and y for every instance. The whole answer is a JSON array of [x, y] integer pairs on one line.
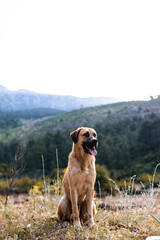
[[75, 211], [74, 201], [89, 202]]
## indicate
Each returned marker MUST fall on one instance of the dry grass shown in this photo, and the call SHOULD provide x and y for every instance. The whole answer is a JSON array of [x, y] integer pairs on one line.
[[126, 217]]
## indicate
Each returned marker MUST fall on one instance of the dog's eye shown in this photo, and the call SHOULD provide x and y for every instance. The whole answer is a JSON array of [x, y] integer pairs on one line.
[[94, 135], [86, 134]]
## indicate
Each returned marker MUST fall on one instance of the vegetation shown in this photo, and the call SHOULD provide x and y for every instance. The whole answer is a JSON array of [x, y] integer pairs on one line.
[[129, 145], [128, 133], [13, 119], [125, 216], [126, 147]]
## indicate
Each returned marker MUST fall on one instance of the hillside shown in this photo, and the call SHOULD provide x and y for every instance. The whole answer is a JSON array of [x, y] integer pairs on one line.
[[82, 117], [23, 99], [12, 119], [128, 134]]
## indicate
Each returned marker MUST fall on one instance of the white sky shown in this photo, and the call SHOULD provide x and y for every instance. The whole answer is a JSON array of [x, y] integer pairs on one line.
[[81, 48]]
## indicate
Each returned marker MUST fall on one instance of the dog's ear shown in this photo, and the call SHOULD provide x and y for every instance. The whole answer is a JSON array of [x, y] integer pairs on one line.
[[74, 135]]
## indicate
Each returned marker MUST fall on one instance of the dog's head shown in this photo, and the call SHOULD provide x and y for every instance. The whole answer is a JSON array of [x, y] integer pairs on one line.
[[87, 138]]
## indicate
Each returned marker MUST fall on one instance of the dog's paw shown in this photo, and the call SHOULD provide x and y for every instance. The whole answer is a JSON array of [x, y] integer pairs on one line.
[[77, 224], [93, 225], [90, 224]]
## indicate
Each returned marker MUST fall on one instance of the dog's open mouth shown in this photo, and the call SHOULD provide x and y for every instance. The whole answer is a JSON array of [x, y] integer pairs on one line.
[[91, 151]]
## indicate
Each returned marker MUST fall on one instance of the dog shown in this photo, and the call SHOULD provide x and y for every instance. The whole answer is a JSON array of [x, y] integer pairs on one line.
[[78, 182]]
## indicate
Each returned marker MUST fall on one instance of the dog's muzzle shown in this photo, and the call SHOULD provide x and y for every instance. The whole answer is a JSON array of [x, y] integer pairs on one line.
[[90, 146]]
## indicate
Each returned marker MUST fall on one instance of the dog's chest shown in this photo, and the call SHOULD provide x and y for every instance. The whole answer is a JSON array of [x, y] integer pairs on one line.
[[84, 179], [85, 176]]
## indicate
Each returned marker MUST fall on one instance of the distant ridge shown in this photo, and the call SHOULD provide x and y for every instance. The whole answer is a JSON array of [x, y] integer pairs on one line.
[[3, 89], [23, 99]]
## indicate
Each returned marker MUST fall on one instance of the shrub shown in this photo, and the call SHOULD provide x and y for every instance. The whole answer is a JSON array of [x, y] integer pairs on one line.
[[145, 178], [102, 179]]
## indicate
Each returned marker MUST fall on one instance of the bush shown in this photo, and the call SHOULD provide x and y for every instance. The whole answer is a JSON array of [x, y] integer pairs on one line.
[[102, 179], [25, 184], [20, 185], [145, 178], [61, 173], [5, 170]]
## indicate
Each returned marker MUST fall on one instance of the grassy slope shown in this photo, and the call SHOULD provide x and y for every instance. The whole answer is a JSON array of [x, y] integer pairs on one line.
[[82, 117]]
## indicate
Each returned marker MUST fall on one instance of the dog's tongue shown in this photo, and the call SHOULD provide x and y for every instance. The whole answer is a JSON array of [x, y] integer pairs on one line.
[[93, 152]]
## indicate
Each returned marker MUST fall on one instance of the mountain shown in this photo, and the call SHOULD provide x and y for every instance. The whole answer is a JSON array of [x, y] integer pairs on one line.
[[23, 99]]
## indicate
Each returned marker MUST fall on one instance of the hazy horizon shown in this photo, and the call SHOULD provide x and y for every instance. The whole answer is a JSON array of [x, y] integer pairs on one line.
[[118, 99]]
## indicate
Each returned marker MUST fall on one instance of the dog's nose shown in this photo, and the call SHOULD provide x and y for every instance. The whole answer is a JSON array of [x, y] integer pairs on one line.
[[94, 142]]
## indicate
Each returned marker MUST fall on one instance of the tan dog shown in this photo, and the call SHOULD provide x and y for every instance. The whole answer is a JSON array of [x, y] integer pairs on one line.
[[79, 179]]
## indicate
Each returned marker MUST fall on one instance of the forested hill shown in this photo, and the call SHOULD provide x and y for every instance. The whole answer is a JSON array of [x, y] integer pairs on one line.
[[128, 133], [13, 119], [83, 117]]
